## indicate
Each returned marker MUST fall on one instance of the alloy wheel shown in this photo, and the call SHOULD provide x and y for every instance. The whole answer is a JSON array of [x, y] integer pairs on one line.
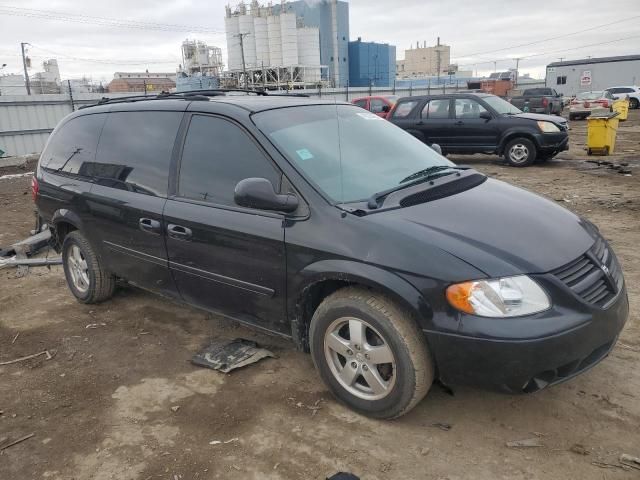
[[78, 269], [360, 358], [518, 153]]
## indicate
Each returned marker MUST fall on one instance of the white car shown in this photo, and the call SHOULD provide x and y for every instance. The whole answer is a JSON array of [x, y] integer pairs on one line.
[[590, 103], [622, 92]]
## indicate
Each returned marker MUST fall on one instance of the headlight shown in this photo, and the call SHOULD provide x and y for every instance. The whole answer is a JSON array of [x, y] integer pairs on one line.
[[501, 297], [548, 127]]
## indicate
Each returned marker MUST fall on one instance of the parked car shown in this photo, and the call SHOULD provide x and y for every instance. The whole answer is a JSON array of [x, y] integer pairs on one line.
[[325, 224], [380, 105], [632, 92], [587, 103], [468, 123], [539, 100]]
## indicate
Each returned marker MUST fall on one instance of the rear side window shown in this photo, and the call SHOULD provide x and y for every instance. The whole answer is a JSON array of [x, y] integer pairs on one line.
[[621, 90], [436, 109], [217, 154], [74, 145], [404, 109], [134, 152]]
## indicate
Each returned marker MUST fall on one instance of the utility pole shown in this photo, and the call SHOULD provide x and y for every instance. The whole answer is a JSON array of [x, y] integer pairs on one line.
[[24, 64], [517, 66], [244, 67], [495, 67], [561, 58]]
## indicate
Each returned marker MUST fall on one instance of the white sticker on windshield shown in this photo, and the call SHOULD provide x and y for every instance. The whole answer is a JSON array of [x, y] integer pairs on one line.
[[304, 154], [369, 116]]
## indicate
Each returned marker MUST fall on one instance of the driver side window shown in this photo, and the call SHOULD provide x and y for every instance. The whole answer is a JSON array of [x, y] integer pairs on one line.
[[217, 154], [468, 108]]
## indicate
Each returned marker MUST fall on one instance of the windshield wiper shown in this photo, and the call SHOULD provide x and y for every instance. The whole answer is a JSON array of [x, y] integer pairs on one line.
[[429, 171]]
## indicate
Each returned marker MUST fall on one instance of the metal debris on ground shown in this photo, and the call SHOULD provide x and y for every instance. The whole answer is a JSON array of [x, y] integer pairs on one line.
[[442, 426], [630, 461], [526, 443], [15, 442], [579, 449], [225, 356], [28, 357], [15, 175]]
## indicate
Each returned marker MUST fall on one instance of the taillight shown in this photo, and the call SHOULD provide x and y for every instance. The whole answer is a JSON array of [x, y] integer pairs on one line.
[[35, 188], [604, 103], [545, 101]]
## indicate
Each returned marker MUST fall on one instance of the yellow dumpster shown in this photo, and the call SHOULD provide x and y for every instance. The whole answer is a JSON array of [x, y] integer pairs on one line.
[[622, 107], [601, 133]]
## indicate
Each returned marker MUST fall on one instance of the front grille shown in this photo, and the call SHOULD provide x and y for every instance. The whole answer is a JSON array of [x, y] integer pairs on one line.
[[596, 276]]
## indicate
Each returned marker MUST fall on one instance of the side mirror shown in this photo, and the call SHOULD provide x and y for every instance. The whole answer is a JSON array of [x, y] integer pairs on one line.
[[485, 115], [259, 193], [386, 108]]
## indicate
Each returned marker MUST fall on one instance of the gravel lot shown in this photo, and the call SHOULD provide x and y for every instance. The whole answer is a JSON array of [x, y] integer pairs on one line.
[[101, 408]]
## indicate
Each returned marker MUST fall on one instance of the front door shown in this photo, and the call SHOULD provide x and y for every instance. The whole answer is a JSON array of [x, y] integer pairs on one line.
[[472, 132], [226, 258], [131, 176]]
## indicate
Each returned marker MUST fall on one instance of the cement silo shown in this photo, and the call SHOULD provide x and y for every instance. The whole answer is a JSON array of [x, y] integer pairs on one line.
[[275, 40], [246, 29], [234, 51], [309, 53], [289, 40], [262, 42]]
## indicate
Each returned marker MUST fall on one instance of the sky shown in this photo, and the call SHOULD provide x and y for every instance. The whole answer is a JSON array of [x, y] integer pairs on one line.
[[478, 31]]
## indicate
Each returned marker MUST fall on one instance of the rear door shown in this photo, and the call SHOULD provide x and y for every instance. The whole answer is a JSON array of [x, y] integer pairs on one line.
[[472, 132], [131, 176], [436, 122], [226, 258]]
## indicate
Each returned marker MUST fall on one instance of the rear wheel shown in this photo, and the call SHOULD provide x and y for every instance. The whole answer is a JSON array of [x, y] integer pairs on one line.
[[370, 353], [520, 152], [87, 279], [633, 103]]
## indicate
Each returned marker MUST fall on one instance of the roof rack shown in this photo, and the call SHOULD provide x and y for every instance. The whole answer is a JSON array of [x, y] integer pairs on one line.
[[189, 95]]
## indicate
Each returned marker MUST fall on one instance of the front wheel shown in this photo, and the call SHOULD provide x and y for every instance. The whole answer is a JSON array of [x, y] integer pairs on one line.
[[370, 353], [520, 152]]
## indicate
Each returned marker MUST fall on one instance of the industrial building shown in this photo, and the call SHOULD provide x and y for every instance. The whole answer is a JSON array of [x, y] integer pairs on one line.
[[593, 74], [294, 44], [198, 58], [423, 61], [371, 64], [48, 81], [142, 82]]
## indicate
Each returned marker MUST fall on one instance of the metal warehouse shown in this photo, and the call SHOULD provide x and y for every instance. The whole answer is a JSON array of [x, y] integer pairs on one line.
[[593, 74], [371, 64]]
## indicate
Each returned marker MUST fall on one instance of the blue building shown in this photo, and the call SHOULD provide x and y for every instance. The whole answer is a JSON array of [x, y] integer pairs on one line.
[[371, 64], [332, 19]]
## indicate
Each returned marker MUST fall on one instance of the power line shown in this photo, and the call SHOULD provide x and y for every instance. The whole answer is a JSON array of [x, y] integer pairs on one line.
[[107, 61], [552, 38], [103, 21], [549, 53]]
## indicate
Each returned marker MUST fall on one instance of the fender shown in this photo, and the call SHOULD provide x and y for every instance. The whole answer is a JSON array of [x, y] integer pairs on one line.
[[66, 216], [348, 272]]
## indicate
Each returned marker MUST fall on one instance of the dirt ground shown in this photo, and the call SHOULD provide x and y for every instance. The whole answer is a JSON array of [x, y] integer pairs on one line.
[[101, 408]]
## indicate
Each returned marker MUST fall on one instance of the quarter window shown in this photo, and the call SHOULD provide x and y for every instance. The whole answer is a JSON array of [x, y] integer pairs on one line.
[[468, 108], [436, 109], [134, 152], [74, 145], [404, 109], [217, 154]]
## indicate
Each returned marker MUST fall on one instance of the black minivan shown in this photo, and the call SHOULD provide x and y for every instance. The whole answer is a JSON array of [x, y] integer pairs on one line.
[[324, 223]]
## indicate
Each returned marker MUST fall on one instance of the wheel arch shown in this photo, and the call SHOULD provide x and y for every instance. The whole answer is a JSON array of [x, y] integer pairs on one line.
[[64, 221], [321, 279], [509, 136]]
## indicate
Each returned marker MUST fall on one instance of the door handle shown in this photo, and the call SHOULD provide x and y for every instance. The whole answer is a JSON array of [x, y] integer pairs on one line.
[[459, 122], [178, 232], [149, 225], [420, 122]]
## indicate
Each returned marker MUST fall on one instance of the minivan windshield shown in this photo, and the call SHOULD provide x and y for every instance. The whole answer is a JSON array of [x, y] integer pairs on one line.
[[348, 153], [501, 106]]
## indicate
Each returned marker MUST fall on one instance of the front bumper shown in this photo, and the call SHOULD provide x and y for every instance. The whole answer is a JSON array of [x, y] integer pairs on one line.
[[523, 355], [552, 142]]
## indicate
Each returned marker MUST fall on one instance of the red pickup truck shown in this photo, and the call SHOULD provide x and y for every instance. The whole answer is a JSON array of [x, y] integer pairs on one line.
[[381, 105]]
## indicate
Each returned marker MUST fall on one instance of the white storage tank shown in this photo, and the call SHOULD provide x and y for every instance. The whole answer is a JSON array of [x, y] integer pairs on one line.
[[245, 25], [309, 52], [289, 35], [275, 40], [233, 43], [262, 41]]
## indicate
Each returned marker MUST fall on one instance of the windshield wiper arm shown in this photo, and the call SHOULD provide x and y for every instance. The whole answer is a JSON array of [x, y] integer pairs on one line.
[[427, 172]]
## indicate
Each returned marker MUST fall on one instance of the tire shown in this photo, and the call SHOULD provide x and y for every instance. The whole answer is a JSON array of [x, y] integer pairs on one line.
[[520, 152], [86, 277], [634, 103], [388, 330]]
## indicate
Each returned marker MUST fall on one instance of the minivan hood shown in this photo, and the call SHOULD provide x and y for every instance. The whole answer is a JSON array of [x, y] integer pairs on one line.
[[541, 117], [499, 229]]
